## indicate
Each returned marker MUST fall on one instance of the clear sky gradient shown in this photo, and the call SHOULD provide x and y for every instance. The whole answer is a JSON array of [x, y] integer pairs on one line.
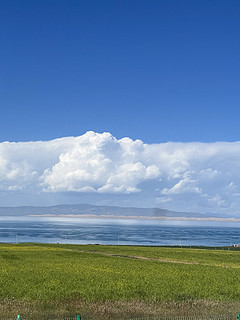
[[154, 70]]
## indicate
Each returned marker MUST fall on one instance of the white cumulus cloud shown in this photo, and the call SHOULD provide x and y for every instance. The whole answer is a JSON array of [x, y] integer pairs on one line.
[[99, 163], [183, 176]]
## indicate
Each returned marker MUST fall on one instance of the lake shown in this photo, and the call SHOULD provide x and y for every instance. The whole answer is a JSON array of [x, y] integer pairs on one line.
[[118, 231]]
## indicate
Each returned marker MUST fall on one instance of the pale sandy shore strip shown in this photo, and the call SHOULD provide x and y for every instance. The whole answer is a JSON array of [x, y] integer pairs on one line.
[[136, 217]]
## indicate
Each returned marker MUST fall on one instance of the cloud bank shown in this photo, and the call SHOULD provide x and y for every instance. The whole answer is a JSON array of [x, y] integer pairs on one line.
[[179, 176]]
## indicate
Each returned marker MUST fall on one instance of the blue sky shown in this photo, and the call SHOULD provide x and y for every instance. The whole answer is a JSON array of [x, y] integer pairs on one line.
[[132, 103], [154, 70]]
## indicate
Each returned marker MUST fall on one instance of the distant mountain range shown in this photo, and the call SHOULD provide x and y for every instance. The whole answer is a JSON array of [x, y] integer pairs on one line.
[[99, 211]]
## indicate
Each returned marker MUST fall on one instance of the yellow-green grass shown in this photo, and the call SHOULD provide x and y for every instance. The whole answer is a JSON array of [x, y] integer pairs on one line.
[[47, 273], [214, 257]]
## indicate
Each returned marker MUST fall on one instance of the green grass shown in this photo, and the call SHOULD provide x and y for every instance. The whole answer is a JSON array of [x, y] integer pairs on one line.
[[47, 273], [203, 256]]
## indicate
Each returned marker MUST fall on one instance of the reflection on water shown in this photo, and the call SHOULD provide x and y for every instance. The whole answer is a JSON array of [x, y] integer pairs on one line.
[[124, 232]]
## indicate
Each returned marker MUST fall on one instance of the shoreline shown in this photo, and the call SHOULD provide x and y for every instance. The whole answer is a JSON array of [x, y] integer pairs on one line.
[[89, 216]]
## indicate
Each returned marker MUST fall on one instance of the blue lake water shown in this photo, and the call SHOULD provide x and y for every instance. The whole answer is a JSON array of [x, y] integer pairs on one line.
[[122, 232]]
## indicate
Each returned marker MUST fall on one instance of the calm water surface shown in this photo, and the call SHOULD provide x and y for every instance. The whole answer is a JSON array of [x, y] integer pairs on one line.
[[123, 232]]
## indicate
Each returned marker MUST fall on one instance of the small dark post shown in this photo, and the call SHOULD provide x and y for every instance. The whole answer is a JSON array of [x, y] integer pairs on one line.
[[79, 318]]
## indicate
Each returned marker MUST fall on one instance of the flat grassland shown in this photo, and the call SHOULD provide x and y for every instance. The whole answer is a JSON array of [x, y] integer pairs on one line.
[[108, 282]]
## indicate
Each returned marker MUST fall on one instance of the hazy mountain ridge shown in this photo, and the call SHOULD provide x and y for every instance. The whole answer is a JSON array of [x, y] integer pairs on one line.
[[88, 209]]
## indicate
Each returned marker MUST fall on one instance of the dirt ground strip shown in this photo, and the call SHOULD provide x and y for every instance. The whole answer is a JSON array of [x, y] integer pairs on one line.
[[116, 310]]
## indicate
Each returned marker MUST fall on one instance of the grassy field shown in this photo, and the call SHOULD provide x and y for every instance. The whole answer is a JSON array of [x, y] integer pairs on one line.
[[111, 281]]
